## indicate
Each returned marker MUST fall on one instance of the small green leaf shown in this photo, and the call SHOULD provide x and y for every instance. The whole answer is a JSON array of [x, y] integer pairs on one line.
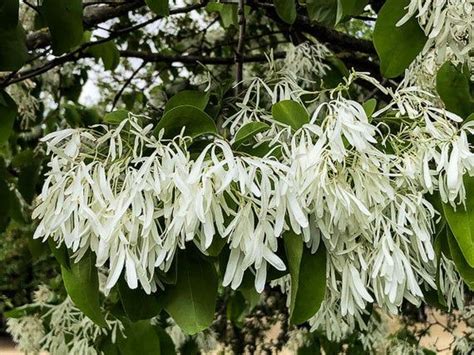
[[461, 221], [351, 7], [82, 285], [166, 343], [115, 117], [140, 338], [290, 113], [192, 301], [397, 46], [369, 107], [107, 52], [248, 131], [453, 86], [308, 278], [64, 19], [195, 121], [286, 9], [137, 304], [323, 11], [22, 311], [159, 7], [8, 113], [227, 13], [194, 98], [465, 270]]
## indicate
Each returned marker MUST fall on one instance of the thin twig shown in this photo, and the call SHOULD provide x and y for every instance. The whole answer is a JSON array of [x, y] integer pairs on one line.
[[239, 54], [129, 80]]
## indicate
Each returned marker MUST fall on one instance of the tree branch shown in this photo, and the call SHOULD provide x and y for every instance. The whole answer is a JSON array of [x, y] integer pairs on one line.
[[239, 54], [129, 80]]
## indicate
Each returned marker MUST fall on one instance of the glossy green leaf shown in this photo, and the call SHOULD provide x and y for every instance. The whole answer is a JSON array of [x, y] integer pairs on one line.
[[465, 270], [194, 98], [115, 117], [461, 221], [137, 304], [140, 338], [192, 301], [82, 285], [8, 113], [308, 278], [159, 7], [195, 121], [453, 86], [107, 52], [290, 113], [286, 10], [64, 19], [397, 46], [248, 131]]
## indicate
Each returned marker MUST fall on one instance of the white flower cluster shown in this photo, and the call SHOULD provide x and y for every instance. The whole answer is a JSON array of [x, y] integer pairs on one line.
[[448, 24], [343, 180], [61, 329]]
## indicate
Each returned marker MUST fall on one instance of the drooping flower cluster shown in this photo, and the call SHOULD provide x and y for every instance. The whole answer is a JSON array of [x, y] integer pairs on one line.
[[61, 329], [448, 24], [343, 180]]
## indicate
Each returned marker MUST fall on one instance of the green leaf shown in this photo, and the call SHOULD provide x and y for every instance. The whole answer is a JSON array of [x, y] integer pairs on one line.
[[22, 311], [115, 117], [465, 270], [397, 46], [8, 113], [13, 51], [159, 7], [137, 304], [453, 86], [194, 98], [195, 121], [461, 221], [64, 19], [82, 285], [290, 113], [323, 11], [248, 131], [166, 343], [60, 253], [308, 278], [140, 338], [192, 301], [107, 52], [9, 10], [227, 13], [286, 9], [369, 107], [351, 7]]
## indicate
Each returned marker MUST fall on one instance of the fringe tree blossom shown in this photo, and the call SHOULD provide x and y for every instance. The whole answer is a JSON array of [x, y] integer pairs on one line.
[[61, 329], [344, 180], [448, 24]]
